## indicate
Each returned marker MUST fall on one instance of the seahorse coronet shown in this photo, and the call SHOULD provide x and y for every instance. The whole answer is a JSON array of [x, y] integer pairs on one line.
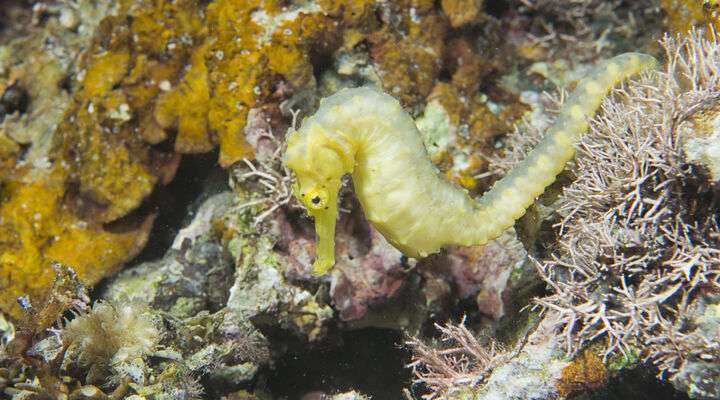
[[366, 133]]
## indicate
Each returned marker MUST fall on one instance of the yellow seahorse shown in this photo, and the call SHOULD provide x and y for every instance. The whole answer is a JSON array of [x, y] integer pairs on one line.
[[367, 133]]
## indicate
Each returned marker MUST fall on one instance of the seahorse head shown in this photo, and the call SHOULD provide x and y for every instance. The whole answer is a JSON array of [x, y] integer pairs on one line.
[[319, 164]]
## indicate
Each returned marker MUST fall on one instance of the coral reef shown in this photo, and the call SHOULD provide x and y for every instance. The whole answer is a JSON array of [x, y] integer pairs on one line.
[[630, 235], [120, 123], [635, 261], [37, 228], [39, 222], [137, 83], [123, 346]]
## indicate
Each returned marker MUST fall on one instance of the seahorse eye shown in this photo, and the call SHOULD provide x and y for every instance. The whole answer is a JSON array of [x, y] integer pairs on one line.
[[318, 198]]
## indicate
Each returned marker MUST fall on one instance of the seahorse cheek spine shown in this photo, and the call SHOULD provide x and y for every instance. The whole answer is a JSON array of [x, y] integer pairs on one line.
[[402, 193]]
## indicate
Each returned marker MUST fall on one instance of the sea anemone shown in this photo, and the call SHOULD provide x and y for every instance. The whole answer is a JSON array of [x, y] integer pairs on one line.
[[111, 339]]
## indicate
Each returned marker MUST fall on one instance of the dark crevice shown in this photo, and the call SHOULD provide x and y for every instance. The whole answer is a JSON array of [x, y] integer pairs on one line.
[[14, 99], [371, 361], [497, 8], [174, 202], [322, 62]]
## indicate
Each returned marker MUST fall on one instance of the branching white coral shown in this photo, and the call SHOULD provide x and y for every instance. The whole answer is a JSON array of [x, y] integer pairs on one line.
[[639, 236], [460, 360], [272, 176]]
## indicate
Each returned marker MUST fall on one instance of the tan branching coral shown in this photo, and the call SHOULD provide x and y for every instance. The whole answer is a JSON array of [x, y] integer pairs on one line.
[[639, 240], [459, 360]]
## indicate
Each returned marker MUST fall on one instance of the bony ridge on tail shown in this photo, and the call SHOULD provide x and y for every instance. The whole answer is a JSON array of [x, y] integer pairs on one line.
[[366, 133]]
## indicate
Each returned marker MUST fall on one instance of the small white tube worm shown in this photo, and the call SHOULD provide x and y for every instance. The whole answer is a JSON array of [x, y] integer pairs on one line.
[[367, 133]]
